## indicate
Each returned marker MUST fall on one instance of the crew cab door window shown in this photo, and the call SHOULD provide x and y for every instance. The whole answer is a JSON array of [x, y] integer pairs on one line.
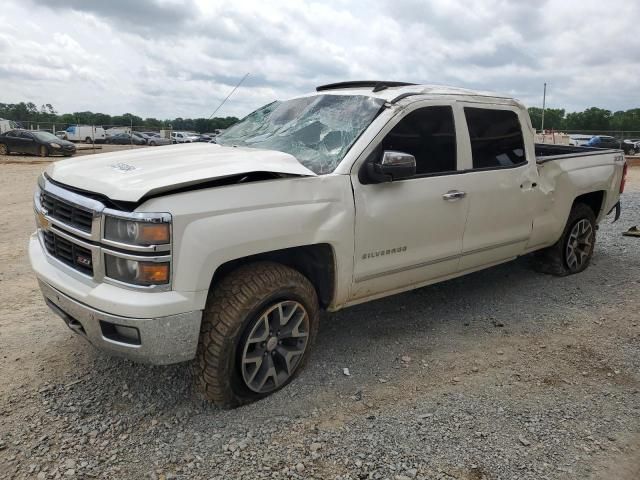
[[496, 138], [429, 135]]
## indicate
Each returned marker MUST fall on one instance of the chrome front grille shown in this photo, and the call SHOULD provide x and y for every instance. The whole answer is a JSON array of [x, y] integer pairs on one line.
[[71, 232], [67, 252], [67, 212]]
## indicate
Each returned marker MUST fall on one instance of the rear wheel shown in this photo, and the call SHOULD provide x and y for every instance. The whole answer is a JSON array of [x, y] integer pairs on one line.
[[152, 143], [43, 151], [4, 150], [257, 329], [88, 140], [573, 251]]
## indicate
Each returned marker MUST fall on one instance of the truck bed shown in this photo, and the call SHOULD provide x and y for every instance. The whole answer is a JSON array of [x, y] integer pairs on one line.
[[546, 152]]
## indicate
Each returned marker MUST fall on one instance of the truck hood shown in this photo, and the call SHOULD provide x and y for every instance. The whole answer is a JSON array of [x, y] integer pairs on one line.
[[130, 175]]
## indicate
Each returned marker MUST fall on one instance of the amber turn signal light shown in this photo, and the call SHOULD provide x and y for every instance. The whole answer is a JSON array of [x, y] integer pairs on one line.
[[152, 233], [153, 273]]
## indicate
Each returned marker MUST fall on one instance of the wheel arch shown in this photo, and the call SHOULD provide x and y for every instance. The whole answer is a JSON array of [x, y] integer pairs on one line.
[[316, 262], [594, 200]]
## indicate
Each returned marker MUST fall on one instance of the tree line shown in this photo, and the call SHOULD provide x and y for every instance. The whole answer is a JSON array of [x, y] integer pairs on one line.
[[28, 112], [593, 119]]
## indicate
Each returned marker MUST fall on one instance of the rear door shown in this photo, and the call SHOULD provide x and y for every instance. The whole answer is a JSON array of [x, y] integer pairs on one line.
[[13, 141], [500, 184]]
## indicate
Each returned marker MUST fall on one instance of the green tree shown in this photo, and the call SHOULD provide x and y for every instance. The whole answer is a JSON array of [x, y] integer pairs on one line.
[[553, 118]]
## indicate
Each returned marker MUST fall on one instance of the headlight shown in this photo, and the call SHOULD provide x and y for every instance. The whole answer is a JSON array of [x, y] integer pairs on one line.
[[136, 232], [136, 272], [55, 145]]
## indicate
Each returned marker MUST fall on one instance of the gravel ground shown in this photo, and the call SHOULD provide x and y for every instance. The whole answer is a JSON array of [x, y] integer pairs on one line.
[[502, 374]]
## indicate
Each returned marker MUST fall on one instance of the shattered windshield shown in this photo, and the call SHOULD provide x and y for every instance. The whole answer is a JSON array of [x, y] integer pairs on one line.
[[317, 130]]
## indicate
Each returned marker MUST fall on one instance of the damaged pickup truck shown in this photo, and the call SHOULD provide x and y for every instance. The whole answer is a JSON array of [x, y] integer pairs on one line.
[[226, 254]]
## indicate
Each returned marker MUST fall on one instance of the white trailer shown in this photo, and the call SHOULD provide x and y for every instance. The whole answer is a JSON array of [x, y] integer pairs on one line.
[[85, 133]]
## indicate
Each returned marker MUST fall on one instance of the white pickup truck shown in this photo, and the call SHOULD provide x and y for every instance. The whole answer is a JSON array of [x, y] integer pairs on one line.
[[227, 253]]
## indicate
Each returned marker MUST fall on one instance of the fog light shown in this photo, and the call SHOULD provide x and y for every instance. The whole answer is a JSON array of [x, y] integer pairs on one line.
[[120, 333], [129, 333]]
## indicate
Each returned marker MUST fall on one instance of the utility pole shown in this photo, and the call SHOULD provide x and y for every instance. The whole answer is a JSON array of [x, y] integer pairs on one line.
[[544, 101]]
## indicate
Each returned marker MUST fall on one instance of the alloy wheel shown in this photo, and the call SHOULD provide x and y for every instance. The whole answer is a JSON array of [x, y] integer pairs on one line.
[[579, 244], [275, 346]]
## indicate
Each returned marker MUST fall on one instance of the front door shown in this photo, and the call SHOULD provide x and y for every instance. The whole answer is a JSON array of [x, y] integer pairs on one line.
[[410, 232], [29, 143]]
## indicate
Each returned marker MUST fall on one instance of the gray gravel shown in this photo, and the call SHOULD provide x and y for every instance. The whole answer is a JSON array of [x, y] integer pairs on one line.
[[503, 374]]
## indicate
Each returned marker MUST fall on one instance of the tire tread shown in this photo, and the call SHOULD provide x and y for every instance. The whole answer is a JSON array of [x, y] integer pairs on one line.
[[228, 305]]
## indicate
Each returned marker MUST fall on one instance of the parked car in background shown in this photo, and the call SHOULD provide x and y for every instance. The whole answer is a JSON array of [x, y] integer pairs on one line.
[[579, 140], [34, 143], [126, 139], [153, 139], [113, 131], [603, 141], [85, 133], [156, 140], [61, 134], [631, 146], [143, 136], [182, 137], [204, 137]]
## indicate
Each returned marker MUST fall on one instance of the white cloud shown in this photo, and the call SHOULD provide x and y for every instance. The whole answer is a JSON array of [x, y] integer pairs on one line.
[[167, 58]]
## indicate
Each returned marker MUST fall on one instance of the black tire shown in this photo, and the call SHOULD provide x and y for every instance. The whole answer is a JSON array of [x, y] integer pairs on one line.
[[234, 309], [152, 143], [43, 151], [88, 140], [554, 260], [4, 150]]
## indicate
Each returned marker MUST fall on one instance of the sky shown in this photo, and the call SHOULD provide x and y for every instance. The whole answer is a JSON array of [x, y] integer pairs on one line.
[[169, 58]]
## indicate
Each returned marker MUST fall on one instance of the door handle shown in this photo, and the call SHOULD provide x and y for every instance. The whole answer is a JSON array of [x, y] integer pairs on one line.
[[453, 195]]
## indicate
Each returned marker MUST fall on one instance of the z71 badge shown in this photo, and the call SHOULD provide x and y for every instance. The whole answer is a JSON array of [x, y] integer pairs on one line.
[[379, 253]]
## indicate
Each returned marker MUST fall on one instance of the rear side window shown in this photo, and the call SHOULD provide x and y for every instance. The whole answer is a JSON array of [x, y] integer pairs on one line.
[[496, 138], [429, 135]]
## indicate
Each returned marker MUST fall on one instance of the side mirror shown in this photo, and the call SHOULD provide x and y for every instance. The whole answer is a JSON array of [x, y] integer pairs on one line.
[[393, 166]]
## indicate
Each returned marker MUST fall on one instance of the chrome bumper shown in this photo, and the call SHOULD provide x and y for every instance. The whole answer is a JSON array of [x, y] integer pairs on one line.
[[160, 341]]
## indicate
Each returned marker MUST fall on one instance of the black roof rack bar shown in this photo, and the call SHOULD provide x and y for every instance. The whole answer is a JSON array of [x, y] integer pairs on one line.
[[377, 85], [404, 95]]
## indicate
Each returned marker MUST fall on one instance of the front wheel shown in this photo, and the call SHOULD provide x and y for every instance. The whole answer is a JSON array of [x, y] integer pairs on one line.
[[572, 253], [43, 151], [4, 150], [257, 329]]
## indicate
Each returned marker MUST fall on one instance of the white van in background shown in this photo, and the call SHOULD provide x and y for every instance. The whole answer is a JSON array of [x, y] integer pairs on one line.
[[85, 133], [6, 125]]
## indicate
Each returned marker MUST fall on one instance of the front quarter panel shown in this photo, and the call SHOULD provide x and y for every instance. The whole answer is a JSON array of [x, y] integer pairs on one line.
[[217, 225]]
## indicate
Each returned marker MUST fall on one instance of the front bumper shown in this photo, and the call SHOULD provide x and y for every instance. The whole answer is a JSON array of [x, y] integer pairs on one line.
[[161, 340]]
